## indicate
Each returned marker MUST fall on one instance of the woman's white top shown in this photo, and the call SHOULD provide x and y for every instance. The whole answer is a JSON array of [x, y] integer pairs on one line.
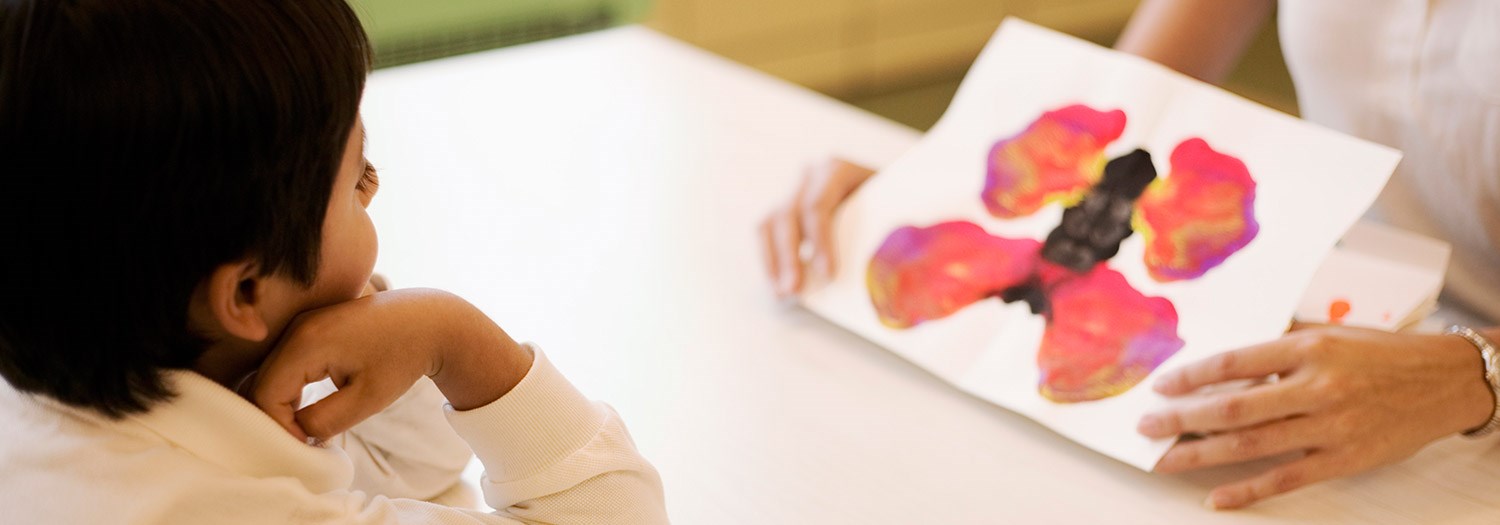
[[1422, 76]]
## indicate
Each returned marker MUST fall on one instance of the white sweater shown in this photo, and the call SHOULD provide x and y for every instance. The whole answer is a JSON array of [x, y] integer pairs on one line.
[[209, 456]]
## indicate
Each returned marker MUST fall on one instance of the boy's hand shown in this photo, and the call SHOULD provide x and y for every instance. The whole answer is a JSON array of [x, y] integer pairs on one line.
[[374, 348]]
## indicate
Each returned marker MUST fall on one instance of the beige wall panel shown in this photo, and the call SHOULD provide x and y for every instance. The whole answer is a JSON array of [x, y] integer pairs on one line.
[[832, 72], [857, 47], [904, 61], [719, 20], [673, 17], [900, 18], [1093, 19], [785, 43]]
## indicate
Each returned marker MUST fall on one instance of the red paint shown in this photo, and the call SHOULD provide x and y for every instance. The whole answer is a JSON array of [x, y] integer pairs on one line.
[[922, 274], [1337, 310], [1056, 158], [1203, 212]]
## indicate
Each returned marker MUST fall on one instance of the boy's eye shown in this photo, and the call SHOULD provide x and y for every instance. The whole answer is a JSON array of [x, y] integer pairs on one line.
[[369, 181]]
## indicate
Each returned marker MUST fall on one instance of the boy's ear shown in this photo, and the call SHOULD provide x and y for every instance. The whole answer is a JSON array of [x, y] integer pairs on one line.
[[236, 294]]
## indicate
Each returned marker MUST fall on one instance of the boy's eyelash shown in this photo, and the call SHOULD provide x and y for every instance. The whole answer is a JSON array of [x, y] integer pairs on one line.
[[368, 181]]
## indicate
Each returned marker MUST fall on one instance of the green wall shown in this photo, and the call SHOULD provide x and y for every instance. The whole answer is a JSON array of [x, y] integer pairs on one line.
[[405, 31]]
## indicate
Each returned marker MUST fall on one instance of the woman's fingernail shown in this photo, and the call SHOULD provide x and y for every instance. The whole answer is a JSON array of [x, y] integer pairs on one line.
[[1163, 384], [1219, 500], [1150, 425]]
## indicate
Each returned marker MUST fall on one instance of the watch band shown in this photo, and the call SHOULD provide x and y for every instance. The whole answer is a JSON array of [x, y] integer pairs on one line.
[[1491, 356]]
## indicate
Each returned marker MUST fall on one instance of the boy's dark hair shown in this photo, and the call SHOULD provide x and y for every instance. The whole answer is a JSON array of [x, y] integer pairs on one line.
[[143, 143]]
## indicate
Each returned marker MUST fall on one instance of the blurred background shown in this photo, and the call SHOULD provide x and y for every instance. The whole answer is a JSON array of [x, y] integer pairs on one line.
[[902, 59]]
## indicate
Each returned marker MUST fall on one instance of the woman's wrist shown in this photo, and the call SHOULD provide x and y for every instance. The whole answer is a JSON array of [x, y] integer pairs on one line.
[[1475, 401]]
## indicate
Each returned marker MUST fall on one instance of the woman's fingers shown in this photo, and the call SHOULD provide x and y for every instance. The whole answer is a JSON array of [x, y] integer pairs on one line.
[[1251, 362], [1270, 439], [1315, 467], [781, 245], [770, 251], [785, 238], [1230, 411], [1356, 399], [809, 217], [821, 198], [817, 222]]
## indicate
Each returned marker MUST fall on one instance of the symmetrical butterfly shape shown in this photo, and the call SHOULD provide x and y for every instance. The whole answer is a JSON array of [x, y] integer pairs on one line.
[[1102, 336]]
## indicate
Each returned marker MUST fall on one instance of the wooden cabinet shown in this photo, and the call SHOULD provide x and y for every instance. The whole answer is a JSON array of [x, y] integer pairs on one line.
[[903, 58], [853, 48]]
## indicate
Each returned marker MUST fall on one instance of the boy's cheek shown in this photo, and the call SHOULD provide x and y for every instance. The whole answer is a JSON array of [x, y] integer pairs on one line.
[[348, 257], [351, 283]]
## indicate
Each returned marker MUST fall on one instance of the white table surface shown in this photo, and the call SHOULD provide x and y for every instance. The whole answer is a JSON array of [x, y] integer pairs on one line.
[[599, 194]]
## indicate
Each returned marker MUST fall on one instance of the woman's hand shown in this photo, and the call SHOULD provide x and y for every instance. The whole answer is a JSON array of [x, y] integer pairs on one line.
[[374, 348], [1349, 399], [808, 217]]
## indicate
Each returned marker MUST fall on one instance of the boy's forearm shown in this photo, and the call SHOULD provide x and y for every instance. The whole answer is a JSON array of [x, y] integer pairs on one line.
[[479, 361]]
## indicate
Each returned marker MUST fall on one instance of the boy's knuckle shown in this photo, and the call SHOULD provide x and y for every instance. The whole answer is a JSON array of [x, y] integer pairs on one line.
[[317, 428]]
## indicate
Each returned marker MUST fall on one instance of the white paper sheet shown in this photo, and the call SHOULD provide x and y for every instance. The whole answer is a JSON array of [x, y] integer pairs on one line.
[[1355, 289], [1378, 277], [1311, 185]]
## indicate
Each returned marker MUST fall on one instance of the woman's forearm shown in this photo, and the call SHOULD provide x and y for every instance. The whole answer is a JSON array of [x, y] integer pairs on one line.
[[1200, 38]]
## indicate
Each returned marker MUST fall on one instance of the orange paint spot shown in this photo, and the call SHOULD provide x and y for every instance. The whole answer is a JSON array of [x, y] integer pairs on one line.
[[1337, 310]]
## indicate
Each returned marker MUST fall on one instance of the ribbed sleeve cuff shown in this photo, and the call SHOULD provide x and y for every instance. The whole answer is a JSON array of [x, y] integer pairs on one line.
[[539, 423]]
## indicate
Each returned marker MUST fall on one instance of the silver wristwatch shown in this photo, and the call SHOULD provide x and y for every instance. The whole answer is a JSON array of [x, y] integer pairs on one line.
[[1491, 357]]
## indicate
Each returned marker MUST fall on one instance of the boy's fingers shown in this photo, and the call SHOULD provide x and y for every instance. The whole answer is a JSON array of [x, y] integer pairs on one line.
[[379, 282], [280, 407], [278, 390], [338, 412]]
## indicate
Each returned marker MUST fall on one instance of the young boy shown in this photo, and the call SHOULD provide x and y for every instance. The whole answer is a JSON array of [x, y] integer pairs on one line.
[[185, 248]]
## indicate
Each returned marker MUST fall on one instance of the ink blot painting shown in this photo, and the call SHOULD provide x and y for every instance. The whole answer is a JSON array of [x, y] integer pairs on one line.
[[1080, 220], [1102, 336]]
